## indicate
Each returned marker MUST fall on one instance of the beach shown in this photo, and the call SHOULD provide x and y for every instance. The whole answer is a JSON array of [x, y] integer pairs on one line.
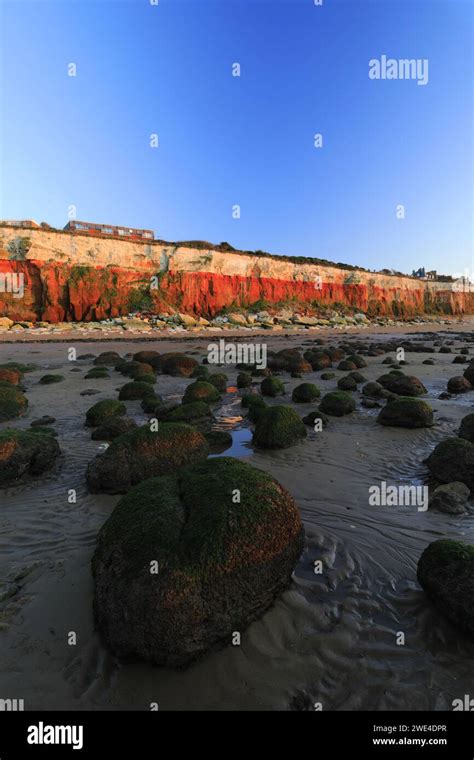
[[330, 639]]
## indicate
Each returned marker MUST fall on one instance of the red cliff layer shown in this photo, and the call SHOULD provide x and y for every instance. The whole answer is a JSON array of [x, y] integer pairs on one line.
[[56, 292]]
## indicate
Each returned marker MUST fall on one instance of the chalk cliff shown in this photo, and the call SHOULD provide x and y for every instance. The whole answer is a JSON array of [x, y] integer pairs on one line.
[[71, 277]]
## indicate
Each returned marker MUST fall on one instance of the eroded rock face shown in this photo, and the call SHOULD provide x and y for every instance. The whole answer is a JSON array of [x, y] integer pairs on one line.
[[142, 454], [23, 453], [446, 574], [221, 564]]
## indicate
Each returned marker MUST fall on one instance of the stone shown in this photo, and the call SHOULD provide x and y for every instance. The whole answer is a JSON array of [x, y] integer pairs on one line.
[[450, 498]]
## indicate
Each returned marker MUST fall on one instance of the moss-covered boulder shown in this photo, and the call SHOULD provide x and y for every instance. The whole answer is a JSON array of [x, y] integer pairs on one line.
[[218, 440], [51, 379], [328, 375], [191, 412], [201, 390], [346, 365], [11, 376], [108, 358], [357, 376], [145, 453], [26, 452], [406, 412], [278, 427], [147, 357], [337, 403], [98, 373], [18, 367], [305, 393], [272, 386], [459, 384], [467, 428], [177, 365], [469, 374], [112, 428], [201, 372], [219, 380], [451, 460], [358, 360], [315, 416], [285, 359], [221, 563], [104, 410], [299, 367], [374, 390], [13, 403], [446, 574], [255, 404], [318, 359], [244, 380], [402, 385], [136, 390], [347, 383], [450, 498]]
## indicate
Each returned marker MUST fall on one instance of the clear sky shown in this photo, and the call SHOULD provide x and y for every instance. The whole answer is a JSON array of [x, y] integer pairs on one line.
[[166, 69]]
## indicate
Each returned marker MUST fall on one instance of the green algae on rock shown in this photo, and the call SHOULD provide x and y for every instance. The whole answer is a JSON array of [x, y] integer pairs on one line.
[[104, 410], [223, 560], [337, 403], [407, 413], [26, 452], [278, 427]]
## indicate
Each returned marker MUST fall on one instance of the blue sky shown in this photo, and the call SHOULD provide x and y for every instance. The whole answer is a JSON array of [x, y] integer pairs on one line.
[[248, 140]]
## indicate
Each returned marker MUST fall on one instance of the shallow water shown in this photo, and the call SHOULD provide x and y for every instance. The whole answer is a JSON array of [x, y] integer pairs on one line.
[[331, 638]]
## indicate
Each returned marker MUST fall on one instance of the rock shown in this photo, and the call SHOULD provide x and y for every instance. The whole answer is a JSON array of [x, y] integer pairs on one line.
[[428, 361], [244, 380], [255, 404], [187, 320], [221, 565], [13, 402], [446, 574], [305, 393], [272, 386], [190, 412], [112, 428], [328, 376], [143, 453], [453, 460], [177, 365], [25, 452], [51, 379], [469, 373], [89, 392], [11, 376], [358, 360], [318, 359], [357, 376], [402, 385], [459, 360], [201, 372], [451, 498], [445, 350], [370, 403], [97, 373], [201, 390], [444, 396], [459, 384], [219, 380], [278, 427], [467, 428], [136, 390], [108, 358], [103, 411], [346, 365], [337, 403], [137, 324], [218, 440], [347, 383], [406, 412], [152, 358], [285, 359], [315, 415], [6, 323], [237, 319], [46, 420]]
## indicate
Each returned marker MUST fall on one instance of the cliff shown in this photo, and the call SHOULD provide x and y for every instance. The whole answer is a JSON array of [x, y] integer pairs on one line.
[[71, 277]]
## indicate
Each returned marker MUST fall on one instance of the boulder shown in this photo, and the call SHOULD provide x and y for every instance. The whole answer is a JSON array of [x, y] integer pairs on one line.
[[453, 460], [446, 574], [347, 383], [51, 379], [108, 358], [103, 411], [177, 365], [305, 393], [13, 403], [406, 412], [315, 415], [459, 384], [136, 390], [272, 386], [143, 453], [112, 428], [278, 427], [467, 428], [451, 498], [221, 564], [201, 390], [337, 403], [402, 385], [11, 376], [26, 452]]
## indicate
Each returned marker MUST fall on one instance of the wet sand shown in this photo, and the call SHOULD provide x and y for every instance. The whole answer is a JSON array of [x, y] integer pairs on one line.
[[331, 638]]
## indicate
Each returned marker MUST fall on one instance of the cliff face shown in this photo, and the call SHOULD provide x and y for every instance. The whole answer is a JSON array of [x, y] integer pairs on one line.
[[67, 277]]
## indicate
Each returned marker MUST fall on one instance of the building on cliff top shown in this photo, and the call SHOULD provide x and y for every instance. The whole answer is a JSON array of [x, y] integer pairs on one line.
[[91, 228]]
